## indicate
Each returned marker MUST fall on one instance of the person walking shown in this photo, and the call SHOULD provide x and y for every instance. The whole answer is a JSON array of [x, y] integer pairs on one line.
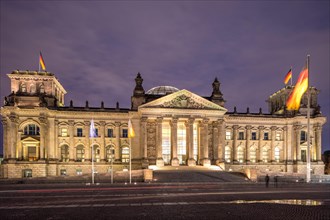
[[267, 180]]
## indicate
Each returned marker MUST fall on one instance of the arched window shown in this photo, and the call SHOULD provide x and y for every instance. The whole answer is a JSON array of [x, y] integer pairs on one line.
[[42, 88], [23, 87], [31, 129], [253, 154], [265, 157], [125, 154], [277, 154], [80, 153], [96, 153], [65, 153], [32, 89], [227, 154], [240, 154], [110, 153]]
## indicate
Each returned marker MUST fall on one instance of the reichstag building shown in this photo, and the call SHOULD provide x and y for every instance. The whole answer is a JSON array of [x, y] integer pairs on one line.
[[44, 138]]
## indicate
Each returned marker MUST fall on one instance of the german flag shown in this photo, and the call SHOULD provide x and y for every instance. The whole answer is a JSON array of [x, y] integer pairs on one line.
[[42, 62], [293, 102], [288, 76]]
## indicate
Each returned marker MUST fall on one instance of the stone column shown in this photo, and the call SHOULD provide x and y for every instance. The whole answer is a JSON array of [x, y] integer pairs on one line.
[[205, 141], [174, 142], [297, 129], [13, 136], [72, 155], [234, 154], [19, 145], [57, 154], [318, 142], [117, 142], [144, 142], [272, 143], [285, 150], [88, 156], [247, 142], [159, 161], [5, 137], [43, 153], [261, 133], [221, 141], [190, 141], [215, 141], [51, 139], [102, 142]]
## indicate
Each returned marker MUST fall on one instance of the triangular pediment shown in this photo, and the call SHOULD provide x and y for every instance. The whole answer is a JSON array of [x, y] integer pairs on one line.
[[30, 139], [183, 99]]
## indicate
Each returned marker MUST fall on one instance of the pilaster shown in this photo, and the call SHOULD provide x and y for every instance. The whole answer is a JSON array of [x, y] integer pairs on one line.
[[71, 141], [247, 142], [117, 142], [272, 143], [174, 142], [144, 143], [102, 142], [234, 154], [261, 133], [159, 161]]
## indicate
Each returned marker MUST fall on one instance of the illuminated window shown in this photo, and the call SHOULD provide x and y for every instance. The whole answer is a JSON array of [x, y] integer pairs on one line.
[[227, 154], [228, 135], [278, 136], [63, 172], [265, 155], [79, 172], [277, 154], [110, 153], [32, 153], [253, 155], [125, 155], [80, 153], [79, 132], [27, 173], [166, 142], [181, 143], [96, 153], [65, 153], [240, 154], [195, 147], [31, 129], [64, 132], [241, 135]]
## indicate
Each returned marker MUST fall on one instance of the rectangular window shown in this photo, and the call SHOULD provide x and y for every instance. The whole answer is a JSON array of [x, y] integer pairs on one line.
[[110, 132], [79, 132], [241, 135], [32, 153], [27, 173], [79, 172], [125, 133], [254, 136], [63, 172], [96, 132], [64, 132], [166, 143], [228, 135], [303, 136], [303, 156], [278, 136], [266, 137]]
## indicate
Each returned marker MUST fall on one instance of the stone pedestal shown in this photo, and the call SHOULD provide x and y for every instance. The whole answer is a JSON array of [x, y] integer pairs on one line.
[[191, 162], [145, 163], [160, 162], [175, 162], [206, 162]]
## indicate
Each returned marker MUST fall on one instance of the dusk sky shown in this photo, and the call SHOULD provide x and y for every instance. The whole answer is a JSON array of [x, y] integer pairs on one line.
[[96, 48]]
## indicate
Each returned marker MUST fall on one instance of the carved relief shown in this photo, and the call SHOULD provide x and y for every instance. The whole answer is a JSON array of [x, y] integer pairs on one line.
[[151, 140], [182, 101]]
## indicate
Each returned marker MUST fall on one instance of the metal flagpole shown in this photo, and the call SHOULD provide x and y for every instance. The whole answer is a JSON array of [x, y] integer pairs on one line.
[[308, 167], [291, 76], [130, 161], [39, 63], [92, 160]]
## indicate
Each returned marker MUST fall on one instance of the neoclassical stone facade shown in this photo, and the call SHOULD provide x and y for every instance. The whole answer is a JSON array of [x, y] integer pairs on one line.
[[44, 138]]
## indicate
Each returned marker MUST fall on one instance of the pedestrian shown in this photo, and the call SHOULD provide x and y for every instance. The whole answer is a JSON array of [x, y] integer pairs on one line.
[[267, 180], [275, 181]]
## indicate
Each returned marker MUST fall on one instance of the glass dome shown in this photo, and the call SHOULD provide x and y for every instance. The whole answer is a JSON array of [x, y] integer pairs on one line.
[[162, 90]]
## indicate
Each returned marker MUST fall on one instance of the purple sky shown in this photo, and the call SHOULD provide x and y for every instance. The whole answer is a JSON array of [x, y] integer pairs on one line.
[[96, 48]]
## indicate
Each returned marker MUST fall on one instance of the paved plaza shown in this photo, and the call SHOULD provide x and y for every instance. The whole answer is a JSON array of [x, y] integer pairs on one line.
[[167, 200]]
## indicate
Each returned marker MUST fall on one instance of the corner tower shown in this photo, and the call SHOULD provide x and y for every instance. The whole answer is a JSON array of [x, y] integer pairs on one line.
[[34, 89]]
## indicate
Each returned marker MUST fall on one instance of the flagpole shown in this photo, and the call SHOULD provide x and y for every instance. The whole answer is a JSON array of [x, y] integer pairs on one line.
[[130, 161], [308, 165], [39, 63], [291, 76], [92, 160]]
